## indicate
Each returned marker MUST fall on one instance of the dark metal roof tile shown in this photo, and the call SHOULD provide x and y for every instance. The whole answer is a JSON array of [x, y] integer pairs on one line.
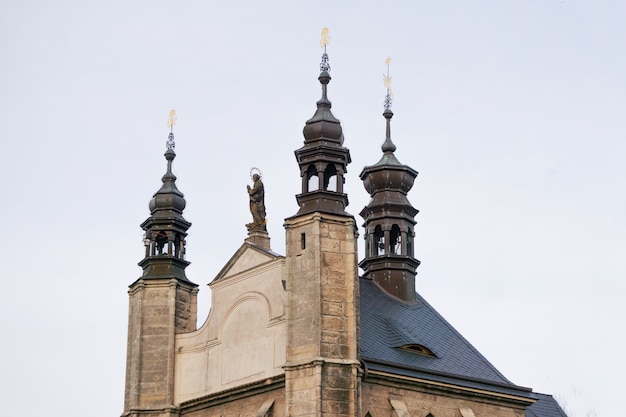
[[387, 323]]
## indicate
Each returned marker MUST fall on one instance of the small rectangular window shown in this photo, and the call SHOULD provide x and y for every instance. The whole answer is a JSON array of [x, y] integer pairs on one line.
[[303, 241]]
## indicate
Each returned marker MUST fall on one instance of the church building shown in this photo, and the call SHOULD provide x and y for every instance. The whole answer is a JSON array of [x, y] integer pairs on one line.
[[304, 334]]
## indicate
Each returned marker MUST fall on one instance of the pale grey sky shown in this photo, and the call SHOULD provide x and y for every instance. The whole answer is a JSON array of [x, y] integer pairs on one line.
[[512, 112]]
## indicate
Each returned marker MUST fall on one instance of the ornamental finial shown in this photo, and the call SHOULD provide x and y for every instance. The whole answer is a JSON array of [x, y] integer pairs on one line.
[[170, 123], [325, 40], [387, 82]]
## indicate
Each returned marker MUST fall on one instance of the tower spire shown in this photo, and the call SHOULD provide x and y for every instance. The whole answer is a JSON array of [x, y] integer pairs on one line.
[[389, 217], [166, 228], [321, 279], [163, 302], [323, 159], [388, 145]]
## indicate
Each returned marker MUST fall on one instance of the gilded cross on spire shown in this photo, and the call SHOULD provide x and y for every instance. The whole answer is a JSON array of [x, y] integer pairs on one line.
[[325, 66], [170, 138], [387, 82]]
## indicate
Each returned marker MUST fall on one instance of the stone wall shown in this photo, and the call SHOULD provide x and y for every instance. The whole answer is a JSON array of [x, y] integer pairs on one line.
[[158, 309], [252, 401], [322, 370], [420, 400], [243, 339]]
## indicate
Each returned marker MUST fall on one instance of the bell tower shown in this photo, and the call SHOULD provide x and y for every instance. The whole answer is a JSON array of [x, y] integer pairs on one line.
[[389, 219], [322, 370], [323, 159], [162, 302]]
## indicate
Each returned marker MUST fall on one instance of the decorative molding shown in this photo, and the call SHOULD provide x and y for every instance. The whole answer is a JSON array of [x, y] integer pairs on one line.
[[233, 394], [452, 390]]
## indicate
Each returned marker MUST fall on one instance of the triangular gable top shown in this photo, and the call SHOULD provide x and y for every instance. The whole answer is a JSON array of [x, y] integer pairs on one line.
[[247, 257]]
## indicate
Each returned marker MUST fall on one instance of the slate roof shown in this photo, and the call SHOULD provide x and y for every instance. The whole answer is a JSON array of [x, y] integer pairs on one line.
[[387, 323], [546, 406]]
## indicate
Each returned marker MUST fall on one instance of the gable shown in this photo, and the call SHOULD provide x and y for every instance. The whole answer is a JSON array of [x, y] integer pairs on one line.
[[244, 337], [247, 257]]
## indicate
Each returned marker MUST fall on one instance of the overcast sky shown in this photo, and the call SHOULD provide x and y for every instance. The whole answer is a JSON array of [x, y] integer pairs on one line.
[[513, 112]]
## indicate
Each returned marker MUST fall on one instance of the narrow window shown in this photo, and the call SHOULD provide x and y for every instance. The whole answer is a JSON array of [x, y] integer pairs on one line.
[[379, 241], [160, 244], [177, 247], [303, 241], [395, 246]]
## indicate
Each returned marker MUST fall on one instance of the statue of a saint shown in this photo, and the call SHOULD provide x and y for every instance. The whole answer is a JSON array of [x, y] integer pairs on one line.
[[257, 205]]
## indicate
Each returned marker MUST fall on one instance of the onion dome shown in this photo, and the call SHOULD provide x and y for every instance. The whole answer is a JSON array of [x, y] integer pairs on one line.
[[168, 201], [388, 175], [323, 126]]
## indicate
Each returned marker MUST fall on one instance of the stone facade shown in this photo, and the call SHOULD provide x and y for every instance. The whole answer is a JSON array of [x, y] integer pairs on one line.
[[243, 339], [322, 369], [283, 337], [264, 399], [158, 310], [391, 396]]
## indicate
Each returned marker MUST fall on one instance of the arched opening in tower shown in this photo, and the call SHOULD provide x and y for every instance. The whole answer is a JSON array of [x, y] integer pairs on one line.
[[313, 182], [379, 241], [395, 245], [330, 178]]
